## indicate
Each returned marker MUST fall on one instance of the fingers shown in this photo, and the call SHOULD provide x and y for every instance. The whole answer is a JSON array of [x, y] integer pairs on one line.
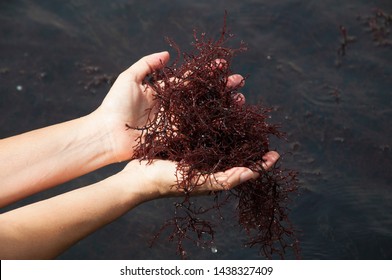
[[235, 176], [147, 65], [235, 81], [152, 62], [239, 98], [269, 159], [160, 170]]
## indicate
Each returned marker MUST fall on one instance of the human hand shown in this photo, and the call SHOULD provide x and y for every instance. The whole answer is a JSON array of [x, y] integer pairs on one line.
[[127, 103], [158, 178]]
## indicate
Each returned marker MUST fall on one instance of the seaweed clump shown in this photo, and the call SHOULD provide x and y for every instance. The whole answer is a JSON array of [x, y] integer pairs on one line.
[[201, 125]]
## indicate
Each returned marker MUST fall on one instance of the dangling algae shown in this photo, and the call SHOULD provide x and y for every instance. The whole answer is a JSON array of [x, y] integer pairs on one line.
[[202, 125]]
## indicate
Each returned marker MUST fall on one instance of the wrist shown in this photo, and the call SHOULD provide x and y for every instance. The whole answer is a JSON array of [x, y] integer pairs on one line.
[[149, 181], [118, 139], [96, 141]]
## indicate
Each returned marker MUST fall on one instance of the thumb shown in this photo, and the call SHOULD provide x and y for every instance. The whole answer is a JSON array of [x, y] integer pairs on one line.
[[147, 65]]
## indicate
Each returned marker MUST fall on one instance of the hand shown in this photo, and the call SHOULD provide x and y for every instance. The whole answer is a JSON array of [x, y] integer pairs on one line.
[[128, 101], [159, 178]]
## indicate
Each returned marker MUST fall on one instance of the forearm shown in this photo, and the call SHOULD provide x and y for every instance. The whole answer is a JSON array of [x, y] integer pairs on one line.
[[37, 160], [46, 157], [45, 229]]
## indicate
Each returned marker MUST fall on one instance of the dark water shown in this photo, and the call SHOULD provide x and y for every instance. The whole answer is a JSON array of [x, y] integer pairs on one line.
[[336, 109]]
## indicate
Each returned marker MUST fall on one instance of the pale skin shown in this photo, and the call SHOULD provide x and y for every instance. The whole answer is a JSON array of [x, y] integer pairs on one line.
[[43, 158]]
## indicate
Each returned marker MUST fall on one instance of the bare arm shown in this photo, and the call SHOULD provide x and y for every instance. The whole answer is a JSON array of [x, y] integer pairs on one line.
[[45, 229], [37, 160], [40, 159]]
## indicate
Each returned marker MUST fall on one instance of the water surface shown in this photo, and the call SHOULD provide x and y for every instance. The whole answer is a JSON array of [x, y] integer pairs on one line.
[[336, 109]]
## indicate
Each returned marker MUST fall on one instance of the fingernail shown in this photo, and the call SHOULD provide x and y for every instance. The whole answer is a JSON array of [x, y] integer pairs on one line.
[[246, 176]]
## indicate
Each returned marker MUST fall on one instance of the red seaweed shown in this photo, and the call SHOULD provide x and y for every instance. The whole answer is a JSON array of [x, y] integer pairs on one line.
[[379, 25], [201, 125]]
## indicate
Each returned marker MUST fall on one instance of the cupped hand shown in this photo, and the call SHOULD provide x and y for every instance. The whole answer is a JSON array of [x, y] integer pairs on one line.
[[127, 104], [158, 178]]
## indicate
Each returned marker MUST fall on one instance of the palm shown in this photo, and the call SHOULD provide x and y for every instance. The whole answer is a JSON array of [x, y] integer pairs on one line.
[[127, 104]]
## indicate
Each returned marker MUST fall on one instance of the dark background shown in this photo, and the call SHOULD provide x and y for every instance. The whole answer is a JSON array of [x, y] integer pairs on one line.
[[335, 108]]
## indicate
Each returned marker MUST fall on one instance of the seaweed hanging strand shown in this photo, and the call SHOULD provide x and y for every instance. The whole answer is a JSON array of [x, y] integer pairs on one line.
[[201, 125]]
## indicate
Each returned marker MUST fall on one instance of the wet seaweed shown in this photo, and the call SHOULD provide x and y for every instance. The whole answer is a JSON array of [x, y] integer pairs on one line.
[[201, 125]]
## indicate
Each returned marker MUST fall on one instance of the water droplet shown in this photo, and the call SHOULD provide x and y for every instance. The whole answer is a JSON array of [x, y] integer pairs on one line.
[[214, 249]]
